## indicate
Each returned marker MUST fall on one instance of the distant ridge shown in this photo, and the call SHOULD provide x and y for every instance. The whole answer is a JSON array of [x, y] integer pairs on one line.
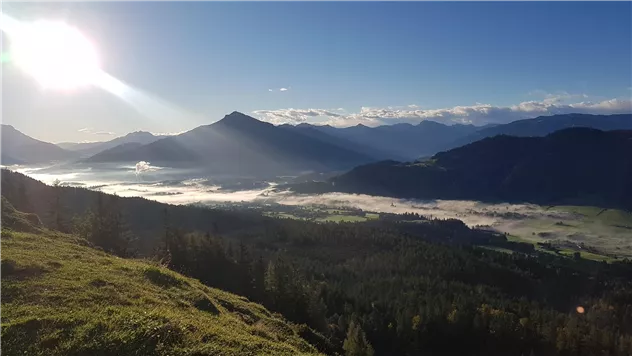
[[92, 148], [575, 166], [544, 125]]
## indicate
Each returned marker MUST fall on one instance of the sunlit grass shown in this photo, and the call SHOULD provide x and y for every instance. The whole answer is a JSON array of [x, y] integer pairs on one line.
[[343, 218], [62, 297]]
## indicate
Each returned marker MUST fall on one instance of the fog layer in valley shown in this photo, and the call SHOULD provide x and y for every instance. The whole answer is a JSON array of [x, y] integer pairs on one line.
[[173, 186]]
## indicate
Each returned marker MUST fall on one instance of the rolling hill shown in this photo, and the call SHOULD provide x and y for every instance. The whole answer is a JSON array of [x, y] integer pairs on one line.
[[240, 144], [18, 148], [578, 166], [60, 296]]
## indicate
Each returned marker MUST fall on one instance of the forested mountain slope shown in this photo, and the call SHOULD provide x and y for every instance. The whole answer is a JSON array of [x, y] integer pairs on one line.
[[574, 166]]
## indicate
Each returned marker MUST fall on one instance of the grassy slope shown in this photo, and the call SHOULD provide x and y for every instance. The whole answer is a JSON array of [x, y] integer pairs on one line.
[[61, 297], [18, 220]]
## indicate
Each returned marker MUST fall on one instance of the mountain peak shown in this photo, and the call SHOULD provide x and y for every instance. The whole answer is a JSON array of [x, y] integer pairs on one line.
[[139, 133], [237, 118], [430, 123]]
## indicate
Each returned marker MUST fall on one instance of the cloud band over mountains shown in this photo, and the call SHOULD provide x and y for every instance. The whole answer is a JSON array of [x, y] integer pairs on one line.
[[478, 114]]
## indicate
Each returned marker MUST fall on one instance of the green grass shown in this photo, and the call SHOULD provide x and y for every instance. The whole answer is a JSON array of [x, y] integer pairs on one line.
[[18, 220], [564, 251], [62, 297], [587, 255], [596, 214], [515, 238], [498, 249], [372, 216], [342, 218]]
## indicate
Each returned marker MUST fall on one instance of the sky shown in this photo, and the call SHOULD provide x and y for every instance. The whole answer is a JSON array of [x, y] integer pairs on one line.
[[189, 64]]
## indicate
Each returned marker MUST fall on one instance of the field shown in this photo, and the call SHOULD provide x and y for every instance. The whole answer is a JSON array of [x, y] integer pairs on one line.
[[598, 234], [61, 297]]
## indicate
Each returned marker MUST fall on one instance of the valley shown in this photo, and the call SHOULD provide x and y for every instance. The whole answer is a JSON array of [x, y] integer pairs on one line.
[[600, 233], [316, 178]]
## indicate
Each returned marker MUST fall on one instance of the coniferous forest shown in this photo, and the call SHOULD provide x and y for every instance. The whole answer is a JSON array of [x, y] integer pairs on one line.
[[385, 287]]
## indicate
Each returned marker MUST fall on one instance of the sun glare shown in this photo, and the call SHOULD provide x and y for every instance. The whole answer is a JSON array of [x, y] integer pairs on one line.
[[56, 55]]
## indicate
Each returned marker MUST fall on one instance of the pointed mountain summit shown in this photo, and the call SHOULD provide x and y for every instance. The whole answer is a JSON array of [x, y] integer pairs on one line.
[[239, 119], [241, 144]]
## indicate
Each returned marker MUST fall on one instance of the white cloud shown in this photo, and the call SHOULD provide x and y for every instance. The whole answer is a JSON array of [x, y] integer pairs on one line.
[[168, 133], [88, 130], [293, 116], [280, 89], [478, 114]]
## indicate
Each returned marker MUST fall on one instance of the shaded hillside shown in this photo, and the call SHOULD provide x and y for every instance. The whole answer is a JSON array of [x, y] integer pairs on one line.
[[62, 297], [579, 166], [240, 144], [144, 216], [18, 148], [544, 125]]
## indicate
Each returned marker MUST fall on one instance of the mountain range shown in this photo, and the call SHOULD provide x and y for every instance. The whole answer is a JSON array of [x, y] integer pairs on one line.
[[240, 144], [399, 141], [544, 125], [574, 166]]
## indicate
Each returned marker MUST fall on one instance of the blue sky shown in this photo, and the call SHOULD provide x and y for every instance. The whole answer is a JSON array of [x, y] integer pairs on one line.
[[341, 63]]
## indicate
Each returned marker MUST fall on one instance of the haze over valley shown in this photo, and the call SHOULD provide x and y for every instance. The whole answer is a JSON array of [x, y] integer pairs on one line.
[[115, 170]]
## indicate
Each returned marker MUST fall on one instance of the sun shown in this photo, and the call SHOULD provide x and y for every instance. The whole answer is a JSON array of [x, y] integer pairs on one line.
[[55, 54]]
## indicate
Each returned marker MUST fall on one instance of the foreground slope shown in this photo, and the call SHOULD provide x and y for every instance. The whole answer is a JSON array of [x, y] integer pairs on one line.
[[62, 297], [573, 166]]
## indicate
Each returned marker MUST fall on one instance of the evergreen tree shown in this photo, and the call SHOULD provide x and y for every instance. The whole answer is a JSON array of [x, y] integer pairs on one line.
[[56, 210], [24, 203], [356, 343]]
